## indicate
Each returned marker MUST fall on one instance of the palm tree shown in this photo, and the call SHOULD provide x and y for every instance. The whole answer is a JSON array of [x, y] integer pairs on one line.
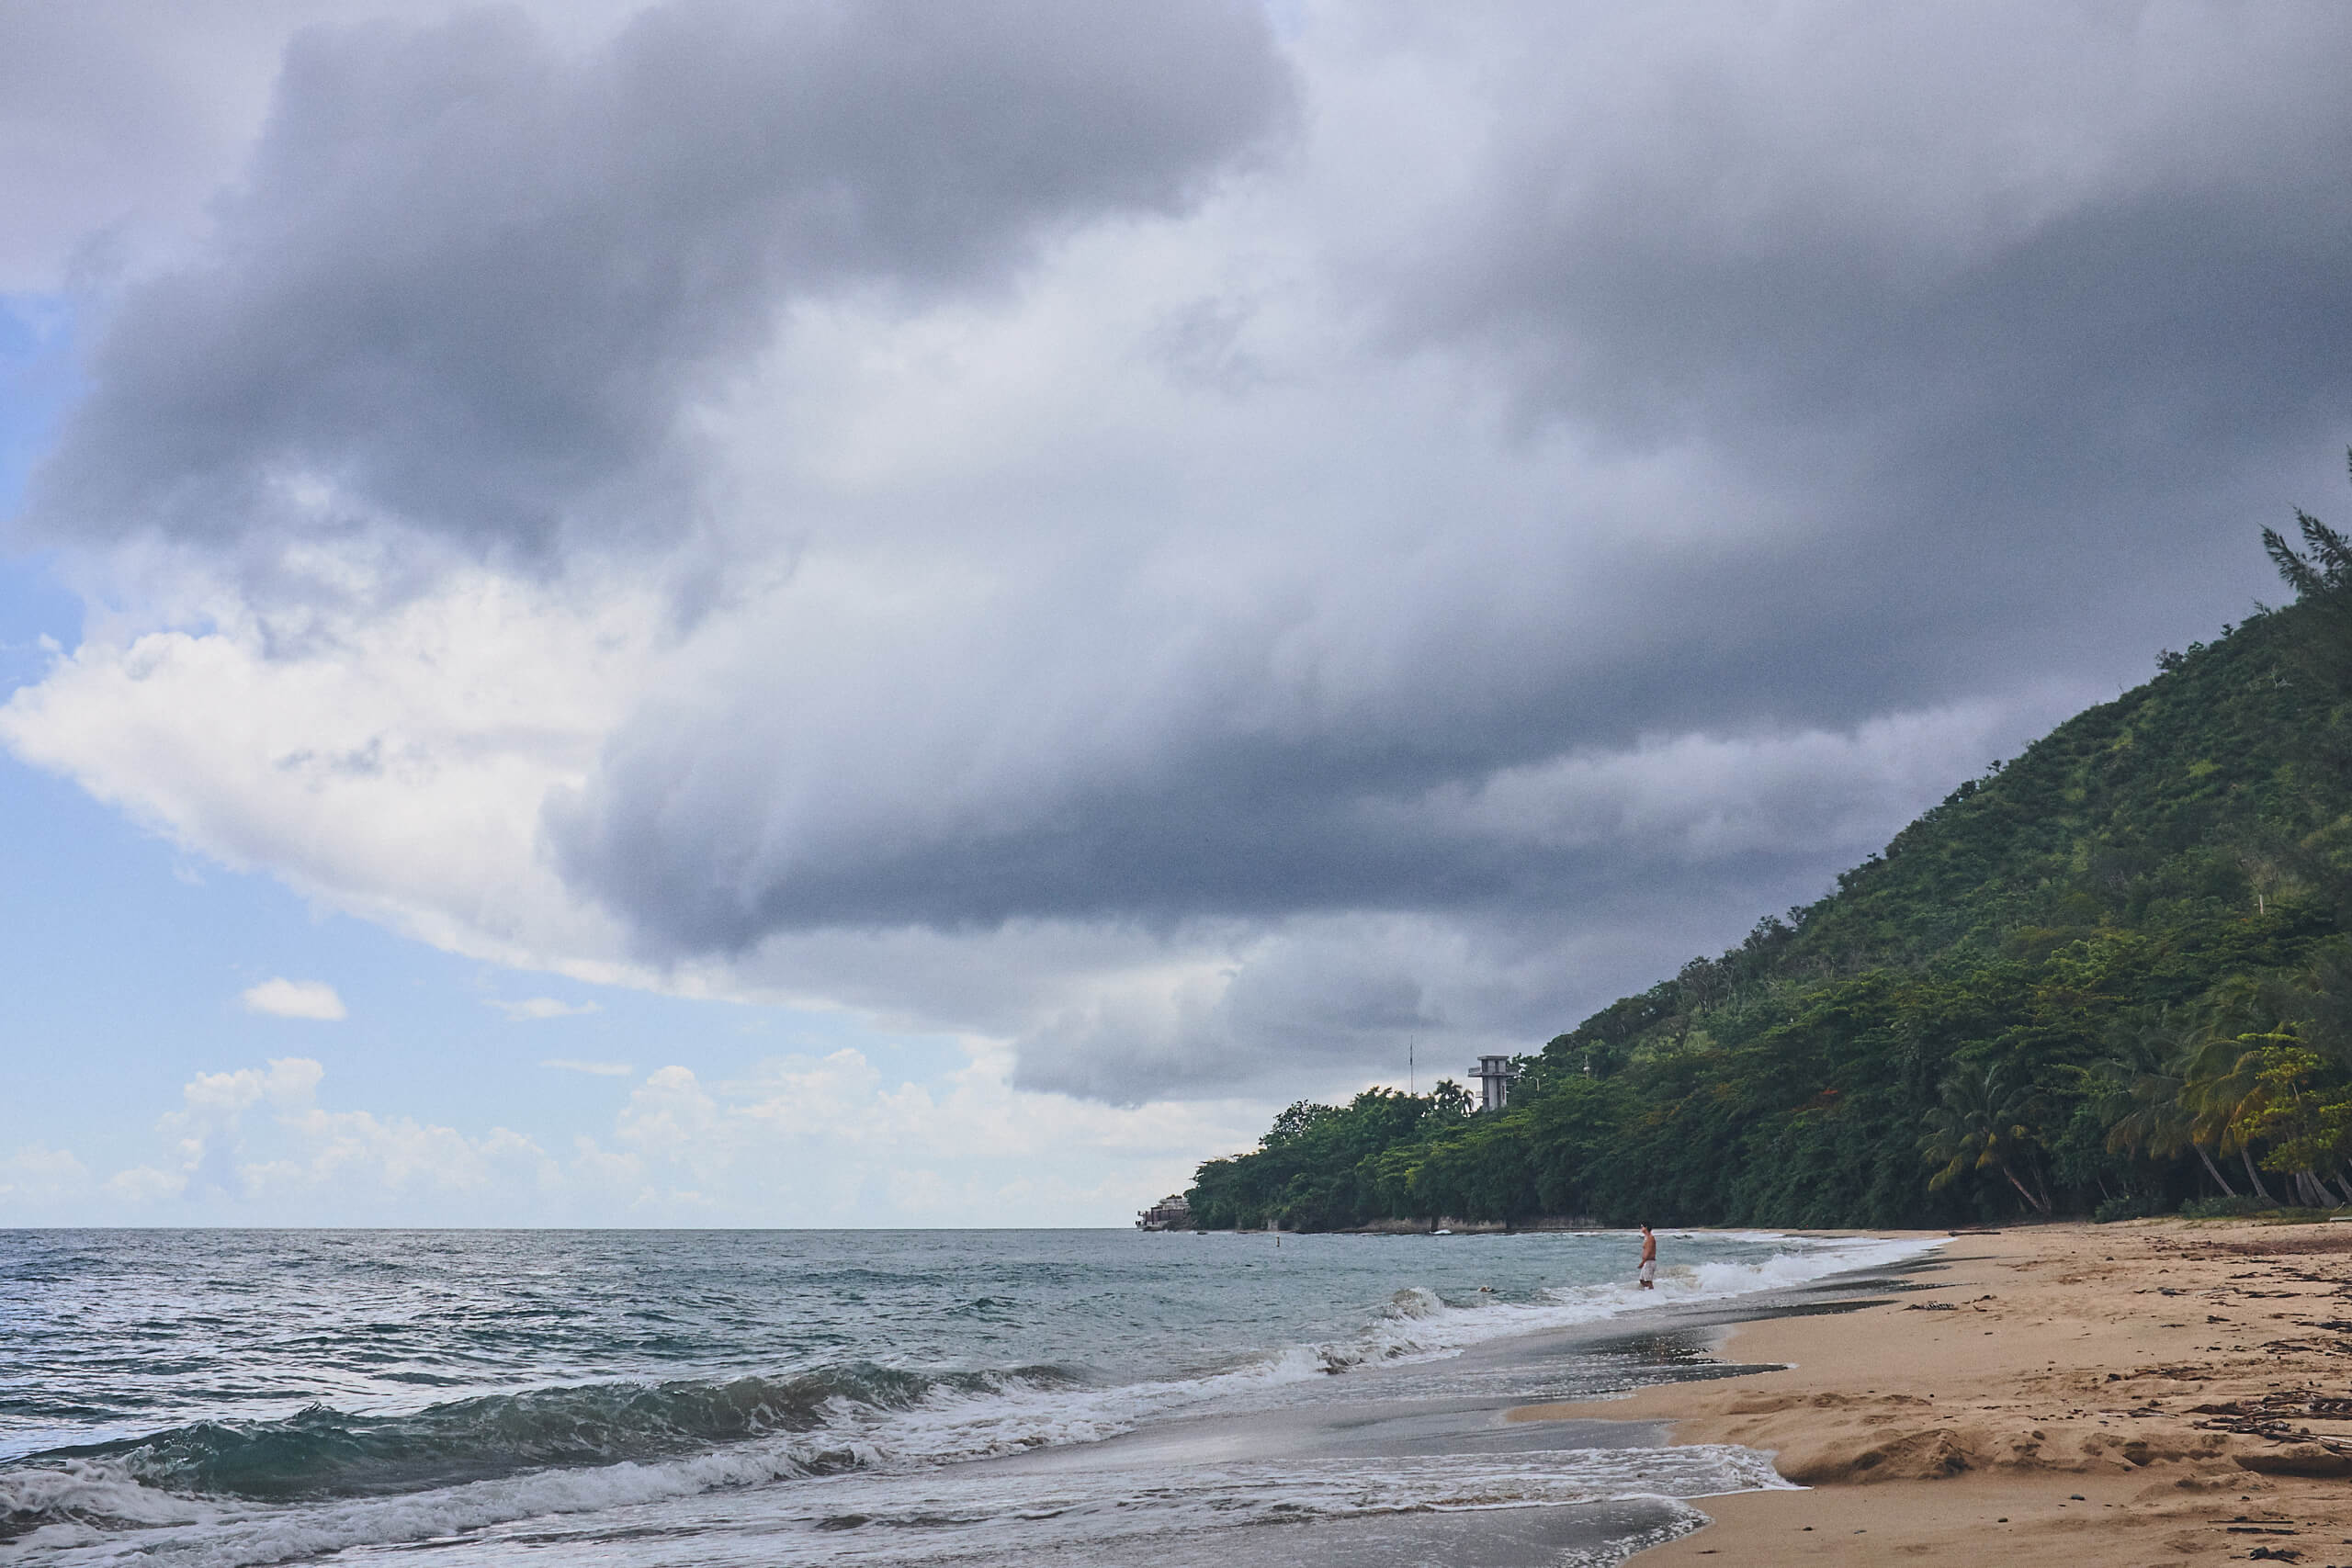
[[2139, 1098], [2322, 578], [2327, 570], [2157, 1125], [1984, 1122], [2222, 1089], [2300, 1110]]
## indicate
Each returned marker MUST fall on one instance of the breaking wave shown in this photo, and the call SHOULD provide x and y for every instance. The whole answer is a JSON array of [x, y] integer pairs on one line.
[[812, 1424]]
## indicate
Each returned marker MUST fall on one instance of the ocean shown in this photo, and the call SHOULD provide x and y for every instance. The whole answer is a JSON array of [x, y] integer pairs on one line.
[[779, 1397]]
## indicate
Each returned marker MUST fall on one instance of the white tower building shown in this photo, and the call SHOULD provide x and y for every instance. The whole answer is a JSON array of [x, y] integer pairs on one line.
[[1494, 1082]]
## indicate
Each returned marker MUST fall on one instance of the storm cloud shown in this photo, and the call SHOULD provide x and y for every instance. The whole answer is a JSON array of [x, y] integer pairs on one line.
[[472, 283], [1214, 544], [1968, 331]]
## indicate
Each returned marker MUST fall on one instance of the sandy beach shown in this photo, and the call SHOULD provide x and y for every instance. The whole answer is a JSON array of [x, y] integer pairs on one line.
[[2157, 1392]]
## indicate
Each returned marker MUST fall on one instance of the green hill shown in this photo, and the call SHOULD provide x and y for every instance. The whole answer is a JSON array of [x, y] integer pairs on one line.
[[2111, 975]]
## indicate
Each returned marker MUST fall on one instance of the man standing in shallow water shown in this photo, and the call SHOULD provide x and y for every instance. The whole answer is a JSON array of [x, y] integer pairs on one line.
[[1647, 1273]]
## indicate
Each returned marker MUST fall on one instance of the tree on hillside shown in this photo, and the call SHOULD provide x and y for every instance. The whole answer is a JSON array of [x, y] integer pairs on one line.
[[2143, 1097], [2306, 1108], [1985, 1123], [1450, 1101], [2321, 575], [2221, 1087], [1300, 1119], [2326, 573]]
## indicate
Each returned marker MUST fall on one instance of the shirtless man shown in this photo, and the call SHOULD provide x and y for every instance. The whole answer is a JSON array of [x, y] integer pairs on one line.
[[1647, 1273]]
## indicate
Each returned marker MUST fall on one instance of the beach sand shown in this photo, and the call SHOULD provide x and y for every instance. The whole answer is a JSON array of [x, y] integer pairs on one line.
[[2150, 1393]]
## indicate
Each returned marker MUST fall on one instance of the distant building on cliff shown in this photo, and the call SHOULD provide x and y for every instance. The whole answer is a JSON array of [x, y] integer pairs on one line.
[[1173, 1213], [1494, 1077]]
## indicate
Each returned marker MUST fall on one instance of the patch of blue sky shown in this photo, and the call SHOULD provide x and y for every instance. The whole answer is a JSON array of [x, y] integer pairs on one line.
[[126, 963]]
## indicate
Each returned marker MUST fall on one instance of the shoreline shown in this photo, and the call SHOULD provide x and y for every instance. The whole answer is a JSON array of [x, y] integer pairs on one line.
[[2090, 1396]]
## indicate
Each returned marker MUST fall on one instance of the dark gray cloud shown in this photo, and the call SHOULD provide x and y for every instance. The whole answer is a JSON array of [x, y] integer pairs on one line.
[[714, 835], [2020, 303], [472, 281], [2005, 326]]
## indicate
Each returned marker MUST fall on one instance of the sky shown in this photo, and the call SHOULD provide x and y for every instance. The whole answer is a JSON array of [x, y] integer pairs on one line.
[[809, 613]]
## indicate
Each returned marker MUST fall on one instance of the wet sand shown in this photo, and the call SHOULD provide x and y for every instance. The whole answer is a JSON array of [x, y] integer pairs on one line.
[[1457, 1408], [2159, 1392]]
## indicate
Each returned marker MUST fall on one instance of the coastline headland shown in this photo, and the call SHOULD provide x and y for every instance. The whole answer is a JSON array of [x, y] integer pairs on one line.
[[2091, 1396]]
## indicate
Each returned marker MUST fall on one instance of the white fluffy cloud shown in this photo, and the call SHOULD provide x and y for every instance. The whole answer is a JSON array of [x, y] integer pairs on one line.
[[37, 1177], [818, 1137], [390, 765], [313, 999], [801, 1140], [300, 1158], [535, 1009]]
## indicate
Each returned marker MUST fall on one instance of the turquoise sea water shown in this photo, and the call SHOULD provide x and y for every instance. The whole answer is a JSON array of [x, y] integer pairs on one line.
[[785, 1397]]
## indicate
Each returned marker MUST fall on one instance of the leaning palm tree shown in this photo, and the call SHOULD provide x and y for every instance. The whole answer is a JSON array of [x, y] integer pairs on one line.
[[2139, 1095], [2154, 1123], [2223, 1090], [2300, 1108], [1984, 1123]]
